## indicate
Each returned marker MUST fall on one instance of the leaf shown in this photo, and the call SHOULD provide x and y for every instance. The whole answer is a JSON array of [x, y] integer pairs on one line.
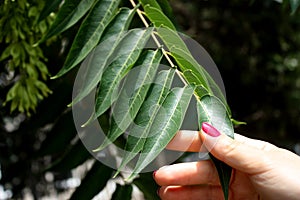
[[186, 62], [120, 23], [139, 131], [167, 122], [180, 52], [294, 5], [212, 110], [126, 55], [89, 33], [157, 17], [162, 5], [70, 12], [123, 192], [152, 3], [166, 8], [132, 95], [94, 181], [49, 7], [98, 59]]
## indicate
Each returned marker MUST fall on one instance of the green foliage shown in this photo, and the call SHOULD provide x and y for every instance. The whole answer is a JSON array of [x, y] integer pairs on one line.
[[211, 109], [19, 31], [124, 112], [165, 125], [95, 64], [294, 5], [127, 53], [70, 12], [89, 32], [124, 52], [261, 62]]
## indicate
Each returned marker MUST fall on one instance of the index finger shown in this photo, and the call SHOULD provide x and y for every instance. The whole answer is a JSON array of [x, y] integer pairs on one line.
[[190, 141], [186, 140]]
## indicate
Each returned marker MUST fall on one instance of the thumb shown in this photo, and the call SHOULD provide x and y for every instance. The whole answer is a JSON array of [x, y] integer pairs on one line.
[[236, 154]]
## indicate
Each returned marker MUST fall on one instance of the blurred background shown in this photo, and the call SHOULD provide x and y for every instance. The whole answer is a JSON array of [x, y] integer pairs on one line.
[[255, 44]]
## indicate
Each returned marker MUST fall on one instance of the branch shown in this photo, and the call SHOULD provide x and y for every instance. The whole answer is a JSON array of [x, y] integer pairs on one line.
[[165, 53]]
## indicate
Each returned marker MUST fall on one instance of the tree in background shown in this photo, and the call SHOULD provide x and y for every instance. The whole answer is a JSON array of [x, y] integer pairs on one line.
[[255, 46]]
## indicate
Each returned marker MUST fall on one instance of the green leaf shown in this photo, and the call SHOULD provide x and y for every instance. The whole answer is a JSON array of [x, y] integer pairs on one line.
[[167, 122], [49, 7], [123, 192], [180, 52], [166, 8], [126, 55], [120, 23], [89, 33], [212, 110], [94, 181], [196, 74], [70, 12], [294, 5], [132, 95], [98, 59], [152, 3], [157, 17], [146, 116]]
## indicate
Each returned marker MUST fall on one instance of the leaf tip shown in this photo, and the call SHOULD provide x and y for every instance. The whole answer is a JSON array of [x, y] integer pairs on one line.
[[92, 118], [54, 77], [96, 150], [130, 178], [116, 174]]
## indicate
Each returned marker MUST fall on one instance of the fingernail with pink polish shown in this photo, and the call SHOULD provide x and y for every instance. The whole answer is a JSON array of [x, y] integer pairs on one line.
[[210, 130]]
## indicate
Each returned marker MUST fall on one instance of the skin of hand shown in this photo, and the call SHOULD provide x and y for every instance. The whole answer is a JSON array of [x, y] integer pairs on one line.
[[260, 169]]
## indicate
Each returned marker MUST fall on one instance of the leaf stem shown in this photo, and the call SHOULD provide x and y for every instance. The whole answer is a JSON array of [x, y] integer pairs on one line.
[[165, 53]]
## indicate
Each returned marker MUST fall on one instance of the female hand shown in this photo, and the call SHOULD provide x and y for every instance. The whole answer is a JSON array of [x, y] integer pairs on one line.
[[260, 169]]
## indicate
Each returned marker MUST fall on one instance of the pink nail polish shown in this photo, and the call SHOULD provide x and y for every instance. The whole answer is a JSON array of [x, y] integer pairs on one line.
[[210, 130]]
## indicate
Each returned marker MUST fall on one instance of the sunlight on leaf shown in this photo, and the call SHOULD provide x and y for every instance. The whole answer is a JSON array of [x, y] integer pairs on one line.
[[140, 129], [89, 33], [95, 64], [167, 122], [132, 95]]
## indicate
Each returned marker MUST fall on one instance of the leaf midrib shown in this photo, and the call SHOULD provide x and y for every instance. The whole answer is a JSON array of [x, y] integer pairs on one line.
[[119, 73]]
